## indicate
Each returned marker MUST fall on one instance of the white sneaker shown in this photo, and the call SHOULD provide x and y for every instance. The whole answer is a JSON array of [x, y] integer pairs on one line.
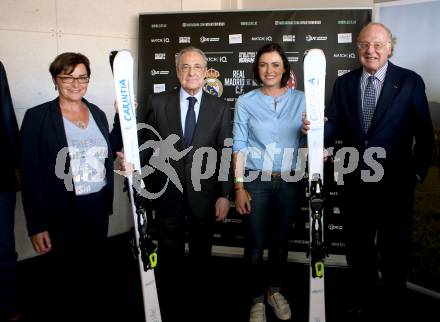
[[258, 313], [280, 305]]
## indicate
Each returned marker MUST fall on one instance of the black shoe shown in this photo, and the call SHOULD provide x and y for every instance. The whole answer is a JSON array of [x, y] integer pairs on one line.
[[17, 317], [356, 315]]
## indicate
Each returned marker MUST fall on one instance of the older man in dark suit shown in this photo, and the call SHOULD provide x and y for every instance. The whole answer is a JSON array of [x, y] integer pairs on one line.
[[380, 106], [199, 122], [9, 145]]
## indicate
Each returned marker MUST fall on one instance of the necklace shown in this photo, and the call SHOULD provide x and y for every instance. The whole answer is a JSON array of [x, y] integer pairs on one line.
[[80, 124], [74, 116]]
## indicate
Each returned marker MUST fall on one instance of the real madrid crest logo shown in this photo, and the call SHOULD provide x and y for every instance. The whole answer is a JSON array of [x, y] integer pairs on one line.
[[212, 85]]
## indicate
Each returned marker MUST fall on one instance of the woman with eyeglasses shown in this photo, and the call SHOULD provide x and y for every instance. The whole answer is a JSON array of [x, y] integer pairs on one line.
[[67, 179], [267, 133]]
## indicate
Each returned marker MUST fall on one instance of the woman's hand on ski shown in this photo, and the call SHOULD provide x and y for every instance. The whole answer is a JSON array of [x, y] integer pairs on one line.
[[124, 168]]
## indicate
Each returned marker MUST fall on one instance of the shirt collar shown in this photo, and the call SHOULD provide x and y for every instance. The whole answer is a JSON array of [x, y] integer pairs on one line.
[[184, 95], [380, 73]]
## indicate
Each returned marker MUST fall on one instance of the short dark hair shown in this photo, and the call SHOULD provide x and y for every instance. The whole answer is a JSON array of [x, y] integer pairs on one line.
[[66, 63], [267, 49]]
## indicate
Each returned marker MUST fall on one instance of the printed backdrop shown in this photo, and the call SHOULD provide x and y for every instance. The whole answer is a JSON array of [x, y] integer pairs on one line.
[[230, 41]]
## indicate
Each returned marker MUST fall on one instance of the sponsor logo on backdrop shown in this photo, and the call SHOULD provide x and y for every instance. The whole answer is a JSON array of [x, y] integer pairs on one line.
[[159, 56], [261, 38], [345, 55], [155, 72], [315, 38], [342, 72], [345, 38], [346, 22], [248, 23], [158, 25], [294, 58], [216, 59], [157, 88], [238, 80], [296, 22], [335, 227], [235, 39], [218, 56], [291, 83], [212, 85], [203, 24], [246, 57], [288, 38], [204, 39], [184, 39], [160, 40]]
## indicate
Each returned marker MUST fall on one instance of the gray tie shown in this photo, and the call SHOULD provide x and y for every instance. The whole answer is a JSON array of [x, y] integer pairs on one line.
[[369, 103]]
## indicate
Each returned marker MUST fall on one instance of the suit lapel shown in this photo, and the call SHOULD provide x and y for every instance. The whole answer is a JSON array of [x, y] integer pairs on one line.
[[204, 120], [173, 116], [355, 102], [60, 139], [390, 88], [58, 124]]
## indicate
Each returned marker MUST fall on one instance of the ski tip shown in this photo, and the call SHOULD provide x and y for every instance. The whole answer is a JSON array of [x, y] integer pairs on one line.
[[314, 55], [112, 56], [305, 54], [313, 51]]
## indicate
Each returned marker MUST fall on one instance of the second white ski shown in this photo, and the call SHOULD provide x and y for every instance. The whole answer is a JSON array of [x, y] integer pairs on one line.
[[314, 88]]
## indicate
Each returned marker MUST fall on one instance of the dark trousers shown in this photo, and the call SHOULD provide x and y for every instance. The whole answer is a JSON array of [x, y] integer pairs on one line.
[[378, 230], [8, 257], [179, 277], [75, 268], [274, 206], [76, 282]]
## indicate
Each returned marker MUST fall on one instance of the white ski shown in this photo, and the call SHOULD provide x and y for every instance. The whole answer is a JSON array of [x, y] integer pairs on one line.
[[314, 88], [122, 64]]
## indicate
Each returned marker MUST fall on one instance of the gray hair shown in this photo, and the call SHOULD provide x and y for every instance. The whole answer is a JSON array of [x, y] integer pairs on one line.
[[393, 39], [189, 49]]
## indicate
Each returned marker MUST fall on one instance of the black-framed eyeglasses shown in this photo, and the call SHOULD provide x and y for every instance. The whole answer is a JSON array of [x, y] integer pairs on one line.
[[70, 79], [376, 45], [196, 68]]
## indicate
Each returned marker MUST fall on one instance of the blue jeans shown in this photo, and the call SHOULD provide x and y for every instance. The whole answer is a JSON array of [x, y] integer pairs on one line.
[[274, 206], [8, 257]]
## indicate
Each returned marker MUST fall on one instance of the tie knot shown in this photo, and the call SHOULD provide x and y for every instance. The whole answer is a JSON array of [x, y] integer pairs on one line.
[[192, 101], [371, 78]]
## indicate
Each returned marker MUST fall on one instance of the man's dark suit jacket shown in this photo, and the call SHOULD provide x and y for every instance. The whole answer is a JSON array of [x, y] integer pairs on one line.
[[401, 124], [213, 127], [9, 137], [45, 196]]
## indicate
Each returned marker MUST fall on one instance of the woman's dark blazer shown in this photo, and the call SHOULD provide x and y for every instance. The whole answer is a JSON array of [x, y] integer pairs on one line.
[[44, 188]]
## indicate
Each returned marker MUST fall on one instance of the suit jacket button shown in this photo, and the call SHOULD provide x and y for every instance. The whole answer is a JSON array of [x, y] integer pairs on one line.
[[366, 142]]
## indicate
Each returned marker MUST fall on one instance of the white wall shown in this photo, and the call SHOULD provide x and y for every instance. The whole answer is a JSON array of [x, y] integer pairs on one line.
[[411, 50], [286, 4], [33, 32]]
